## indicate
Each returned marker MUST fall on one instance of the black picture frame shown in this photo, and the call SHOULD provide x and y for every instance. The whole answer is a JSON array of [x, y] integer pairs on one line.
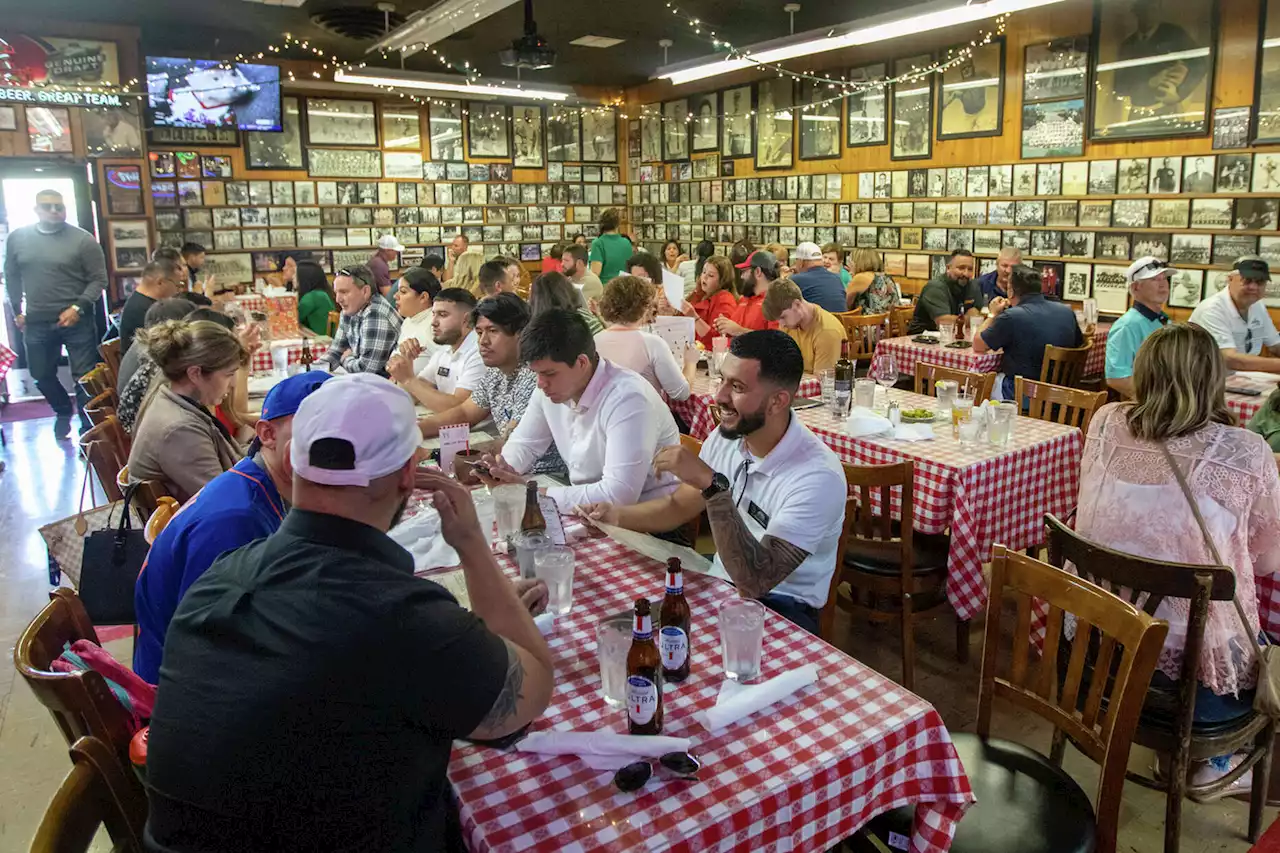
[[731, 139], [522, 138], [335, 142], [820, 116], [1073, 52], [700, 128], [569, 149], [276, 151], [1266, 124], [920, 90], [606, 118], [1232, 127], [860, 100], [967, 98], [493, 115], [675, 128], [441, 146], [785, 88]]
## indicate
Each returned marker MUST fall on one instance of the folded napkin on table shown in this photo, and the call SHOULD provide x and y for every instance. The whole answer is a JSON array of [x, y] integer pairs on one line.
[[864, 422], [913, 432], [546, 623], [603, 750], [420, 536], [737, 701]]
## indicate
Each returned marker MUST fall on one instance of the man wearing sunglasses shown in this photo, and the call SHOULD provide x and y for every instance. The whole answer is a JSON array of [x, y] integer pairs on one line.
[[60, 272], [1239, 321], [1148, 279]]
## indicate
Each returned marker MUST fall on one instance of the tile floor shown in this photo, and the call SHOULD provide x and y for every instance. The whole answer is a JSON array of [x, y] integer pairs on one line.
[[42, 483]]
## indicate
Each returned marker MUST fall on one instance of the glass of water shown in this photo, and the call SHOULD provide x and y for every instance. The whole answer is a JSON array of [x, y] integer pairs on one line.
[[741, 638], [827, 381], [484, 511], [509, 506], [613, 641], [554, 566], [968, 433], [864, 393], [1001, 419]]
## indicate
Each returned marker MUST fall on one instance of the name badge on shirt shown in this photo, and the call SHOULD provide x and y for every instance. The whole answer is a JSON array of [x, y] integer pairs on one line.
[[442, 371], [758, 515]]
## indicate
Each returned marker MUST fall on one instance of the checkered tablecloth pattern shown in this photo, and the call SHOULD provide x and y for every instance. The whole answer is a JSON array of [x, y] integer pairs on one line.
[[907, 352], [696, 410], [281, 311], [1242, 405], [7, 358], [1096, 363], [986, 495], [262, 358], [800, 775]]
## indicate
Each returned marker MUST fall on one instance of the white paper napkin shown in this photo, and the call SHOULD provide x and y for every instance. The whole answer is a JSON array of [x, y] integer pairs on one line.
[[546, 623], [913, 432], [611, 744], [737, 701], [864, 422], [421, 537]]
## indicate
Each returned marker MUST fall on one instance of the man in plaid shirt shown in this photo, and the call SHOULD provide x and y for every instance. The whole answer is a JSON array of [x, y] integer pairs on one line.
[[369, 328]]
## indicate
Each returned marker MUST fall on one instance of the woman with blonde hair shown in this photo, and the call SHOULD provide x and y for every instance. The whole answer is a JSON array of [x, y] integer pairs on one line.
[[870, 288], [780, 252], [714, 297], [466, 272], [178, 441], [1131, 501], [625, 306]]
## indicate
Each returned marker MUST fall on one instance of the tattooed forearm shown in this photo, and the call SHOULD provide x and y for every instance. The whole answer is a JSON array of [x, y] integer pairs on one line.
[[508, 701], [756, 567]]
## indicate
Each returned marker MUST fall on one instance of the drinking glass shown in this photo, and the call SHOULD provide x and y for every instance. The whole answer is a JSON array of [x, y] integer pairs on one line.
[[946, 334], [1001, 419], [485, 509], [864, 393], [884, 370], [961, 412], [741, 638], [968, 432], [553, 565], [827, 380], [280, 360], [527, 547], [945, 390], [613, 641], [1015, 410], [975, 323], [509, 505]]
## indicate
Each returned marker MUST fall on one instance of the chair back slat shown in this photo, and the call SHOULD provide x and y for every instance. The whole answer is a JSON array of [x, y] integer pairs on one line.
[[1021, 651], [98, 792], [1075, 664], [1056, 404], [827, 618], [1064, 365], [1102, 666], [927, 376], [900, 320], [863, 332], [1053, 634]]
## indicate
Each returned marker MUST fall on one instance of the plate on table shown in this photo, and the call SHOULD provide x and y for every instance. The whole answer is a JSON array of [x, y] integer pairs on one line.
[[918, 416]]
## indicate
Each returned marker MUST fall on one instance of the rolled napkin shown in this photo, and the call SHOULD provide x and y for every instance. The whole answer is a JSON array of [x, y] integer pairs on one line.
[[864, 422], [632, 747], [546, 623], [738, 701]]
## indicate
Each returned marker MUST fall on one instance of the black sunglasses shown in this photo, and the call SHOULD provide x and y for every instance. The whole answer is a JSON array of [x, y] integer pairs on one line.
[[673, 765], [1154, 265], [53, 206]]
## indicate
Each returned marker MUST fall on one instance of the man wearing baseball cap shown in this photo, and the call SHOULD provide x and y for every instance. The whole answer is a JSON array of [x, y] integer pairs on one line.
[[244, 503], [1148, 279], [818, 285], [758, 271], [1148, 286], [1238, 319], [380, 261], [312, 687]]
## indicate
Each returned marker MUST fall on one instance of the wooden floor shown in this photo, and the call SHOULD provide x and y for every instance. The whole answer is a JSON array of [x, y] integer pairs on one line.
[[42, 483]]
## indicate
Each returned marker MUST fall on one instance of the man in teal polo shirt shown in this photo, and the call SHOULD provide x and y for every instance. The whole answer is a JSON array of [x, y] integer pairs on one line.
[[1148, 279]]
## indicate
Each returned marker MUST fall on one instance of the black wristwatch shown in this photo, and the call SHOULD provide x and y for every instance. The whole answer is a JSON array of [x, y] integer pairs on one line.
[[719, 483]]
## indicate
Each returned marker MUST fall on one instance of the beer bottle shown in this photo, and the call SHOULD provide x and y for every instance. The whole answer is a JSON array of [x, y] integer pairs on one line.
[[644, 676], [533, 519], [844, 378], [673, 639]]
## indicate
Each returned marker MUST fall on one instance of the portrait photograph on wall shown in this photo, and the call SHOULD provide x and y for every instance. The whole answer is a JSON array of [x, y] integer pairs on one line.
[[1267, 95], [971, 97], [775, 123], [820, 121], [912, 109], [867, 106], [737, 126], [705, 109]]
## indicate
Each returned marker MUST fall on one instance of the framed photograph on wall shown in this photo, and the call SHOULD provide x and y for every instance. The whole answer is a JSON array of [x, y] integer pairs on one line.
[[705, 109], [401, 127], [971, 98], [775, 123], [912, 109], [487, 130], [1267, 88], [343, 163], [277, 150], [564, 134], [1055, 70], [868, 107], [49, 130], [599, 135], [526, 136], [444, 129], [820, 121], [113, 131], [1137, 93], [1053, 129], [338, 121], [675, 130], [8, 118], [123, 189], [737, 126], [1231, 128]]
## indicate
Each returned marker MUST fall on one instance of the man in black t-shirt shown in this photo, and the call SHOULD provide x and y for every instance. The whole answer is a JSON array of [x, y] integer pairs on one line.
[[161, 279], [948, 297], [311, 687]]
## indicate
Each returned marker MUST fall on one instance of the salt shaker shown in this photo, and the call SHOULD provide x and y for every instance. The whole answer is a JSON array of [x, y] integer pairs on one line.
[[895, 415]]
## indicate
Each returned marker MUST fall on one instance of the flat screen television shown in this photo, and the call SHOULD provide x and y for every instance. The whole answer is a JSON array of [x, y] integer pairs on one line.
[[207, 93]]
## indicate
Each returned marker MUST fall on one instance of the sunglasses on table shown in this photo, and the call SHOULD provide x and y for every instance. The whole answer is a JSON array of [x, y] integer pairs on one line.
[[52, 206], [674, 765]]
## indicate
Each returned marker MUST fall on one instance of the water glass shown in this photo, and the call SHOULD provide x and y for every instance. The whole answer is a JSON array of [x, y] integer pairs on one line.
[[946, 391], [553, 565], [968, 433], [280, 360], [1001, 419], [975, 323], [827, 381], [864, 393], [946, 334], [613, 641], [485, 509], [527, 547], [961, 412], [741, 638], [884, 370], [509, 508]]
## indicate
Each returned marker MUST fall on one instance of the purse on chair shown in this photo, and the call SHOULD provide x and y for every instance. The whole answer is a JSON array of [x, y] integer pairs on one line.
[[112, 560], [1266, 700]]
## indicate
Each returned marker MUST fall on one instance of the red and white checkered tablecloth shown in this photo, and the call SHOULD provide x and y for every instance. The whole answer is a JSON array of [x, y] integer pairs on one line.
[[1096, 362], [986, 495], [262, 358], [800, 775], [696, 409], [7, 358], [1243, 405], [907, 352]]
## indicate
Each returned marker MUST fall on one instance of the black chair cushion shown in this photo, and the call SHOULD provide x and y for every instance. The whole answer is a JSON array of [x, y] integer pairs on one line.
[[931, 551], [1025, 804]]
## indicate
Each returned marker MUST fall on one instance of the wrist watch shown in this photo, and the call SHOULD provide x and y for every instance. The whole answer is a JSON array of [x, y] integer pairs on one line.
[[719, 483], [78, 310]]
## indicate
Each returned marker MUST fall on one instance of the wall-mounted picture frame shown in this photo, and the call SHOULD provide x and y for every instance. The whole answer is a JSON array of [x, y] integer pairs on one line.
[[401, 127], [487, 130], [1266, 99], [675, 130], [402, 165], [705, 126], [820, 119], [49, 130], [277, 150], [600, 135], [341, 121], [912, 137], [867, 107], [1053, 129], [737, 123], [1137, 95], [112, 132], [130, 244], [527, 137], [8, 118], [1056, 70], [1231, 127], [564, 134], [444, 130], [123, 186], [971, 94], [344, 163], [775, 123]]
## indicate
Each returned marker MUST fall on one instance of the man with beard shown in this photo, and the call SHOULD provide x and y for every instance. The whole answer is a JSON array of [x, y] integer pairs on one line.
[[455, 368], [765, 481], [948, 297], [283, 720]]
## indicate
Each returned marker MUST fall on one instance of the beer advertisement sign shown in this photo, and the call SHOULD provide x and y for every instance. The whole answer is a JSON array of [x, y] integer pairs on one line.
[[37, 69]]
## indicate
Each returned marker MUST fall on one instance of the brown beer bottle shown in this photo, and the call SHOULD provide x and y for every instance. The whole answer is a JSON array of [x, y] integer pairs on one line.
[[673, 638], [644, 676], [533, 519]]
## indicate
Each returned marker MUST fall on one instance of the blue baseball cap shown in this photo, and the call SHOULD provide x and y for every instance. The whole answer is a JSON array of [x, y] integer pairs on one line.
[[287, 395]]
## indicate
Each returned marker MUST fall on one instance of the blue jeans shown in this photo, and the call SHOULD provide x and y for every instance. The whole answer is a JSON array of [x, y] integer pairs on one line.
[[797, 611], [1210, 707], [45, 340]]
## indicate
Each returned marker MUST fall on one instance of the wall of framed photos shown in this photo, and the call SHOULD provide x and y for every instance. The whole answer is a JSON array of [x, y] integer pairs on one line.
[[1044, 138]]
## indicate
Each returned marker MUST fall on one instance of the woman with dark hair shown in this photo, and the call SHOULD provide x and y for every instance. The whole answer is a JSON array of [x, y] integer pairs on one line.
[[691, 269], [673, 255], [738, 254], [315, 297], [609, 251], [551, 291]]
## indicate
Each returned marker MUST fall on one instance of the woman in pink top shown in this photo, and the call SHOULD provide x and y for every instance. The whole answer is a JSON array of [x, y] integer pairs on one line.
[[713, 297], [1130, 501], [626, 304]]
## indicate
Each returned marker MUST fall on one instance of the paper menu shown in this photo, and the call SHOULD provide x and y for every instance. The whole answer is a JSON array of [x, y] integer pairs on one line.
[[454, 439], [678, 332], [673, 287]]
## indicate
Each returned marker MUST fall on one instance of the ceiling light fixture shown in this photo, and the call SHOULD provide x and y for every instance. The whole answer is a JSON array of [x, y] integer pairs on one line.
[[877, 28], [445, 85], [437, 23]]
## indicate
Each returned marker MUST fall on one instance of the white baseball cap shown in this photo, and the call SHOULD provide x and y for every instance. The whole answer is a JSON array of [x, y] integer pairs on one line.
[[1148, 266], [374, 422], [388, 241], [808, 252]]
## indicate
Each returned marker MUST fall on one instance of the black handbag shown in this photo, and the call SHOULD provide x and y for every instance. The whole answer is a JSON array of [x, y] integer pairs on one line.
[[113, 558]]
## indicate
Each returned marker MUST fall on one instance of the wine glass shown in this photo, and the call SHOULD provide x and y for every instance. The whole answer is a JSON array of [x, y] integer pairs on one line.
[[884, 370]]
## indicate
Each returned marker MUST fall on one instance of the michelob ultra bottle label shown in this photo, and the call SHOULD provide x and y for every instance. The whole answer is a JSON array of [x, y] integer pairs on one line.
[[642, 699], [673, 643]]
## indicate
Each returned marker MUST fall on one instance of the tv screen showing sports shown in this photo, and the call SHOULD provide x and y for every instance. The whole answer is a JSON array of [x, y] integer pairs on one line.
[[207, 93]]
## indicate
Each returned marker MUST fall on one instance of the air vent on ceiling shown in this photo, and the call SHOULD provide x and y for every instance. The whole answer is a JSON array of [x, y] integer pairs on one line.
[[596, 41], [356, 22]]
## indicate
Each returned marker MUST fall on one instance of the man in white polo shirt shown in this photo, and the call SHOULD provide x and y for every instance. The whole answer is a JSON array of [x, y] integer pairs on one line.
[[773, 492], [454, 368], [1239, 321]]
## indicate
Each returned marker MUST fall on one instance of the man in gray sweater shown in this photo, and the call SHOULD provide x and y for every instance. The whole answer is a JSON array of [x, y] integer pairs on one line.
[[61, 272]]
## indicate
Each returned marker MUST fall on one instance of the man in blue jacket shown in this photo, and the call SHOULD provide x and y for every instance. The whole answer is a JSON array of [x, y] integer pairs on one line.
[[247, 502]]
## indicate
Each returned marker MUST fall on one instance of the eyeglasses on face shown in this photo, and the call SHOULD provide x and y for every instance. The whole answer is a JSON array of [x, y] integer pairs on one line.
[[52, 206]]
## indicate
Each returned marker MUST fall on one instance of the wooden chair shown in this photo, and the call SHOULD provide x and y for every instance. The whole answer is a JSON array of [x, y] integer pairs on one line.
[[693, 528], [1167, 722], [148, 496], [96, 381], [96, 793], [332, 328], [1053, 403], [1064, 365], [827, 618], [889, 571], [927, 375], [863, 331], [1026, 801], [166, 509], [110, 352], [97, 409], [102, 447], [900, 320]]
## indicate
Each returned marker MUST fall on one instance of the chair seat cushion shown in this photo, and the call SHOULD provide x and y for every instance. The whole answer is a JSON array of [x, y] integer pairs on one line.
[[930, 550], [1026, 804]]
